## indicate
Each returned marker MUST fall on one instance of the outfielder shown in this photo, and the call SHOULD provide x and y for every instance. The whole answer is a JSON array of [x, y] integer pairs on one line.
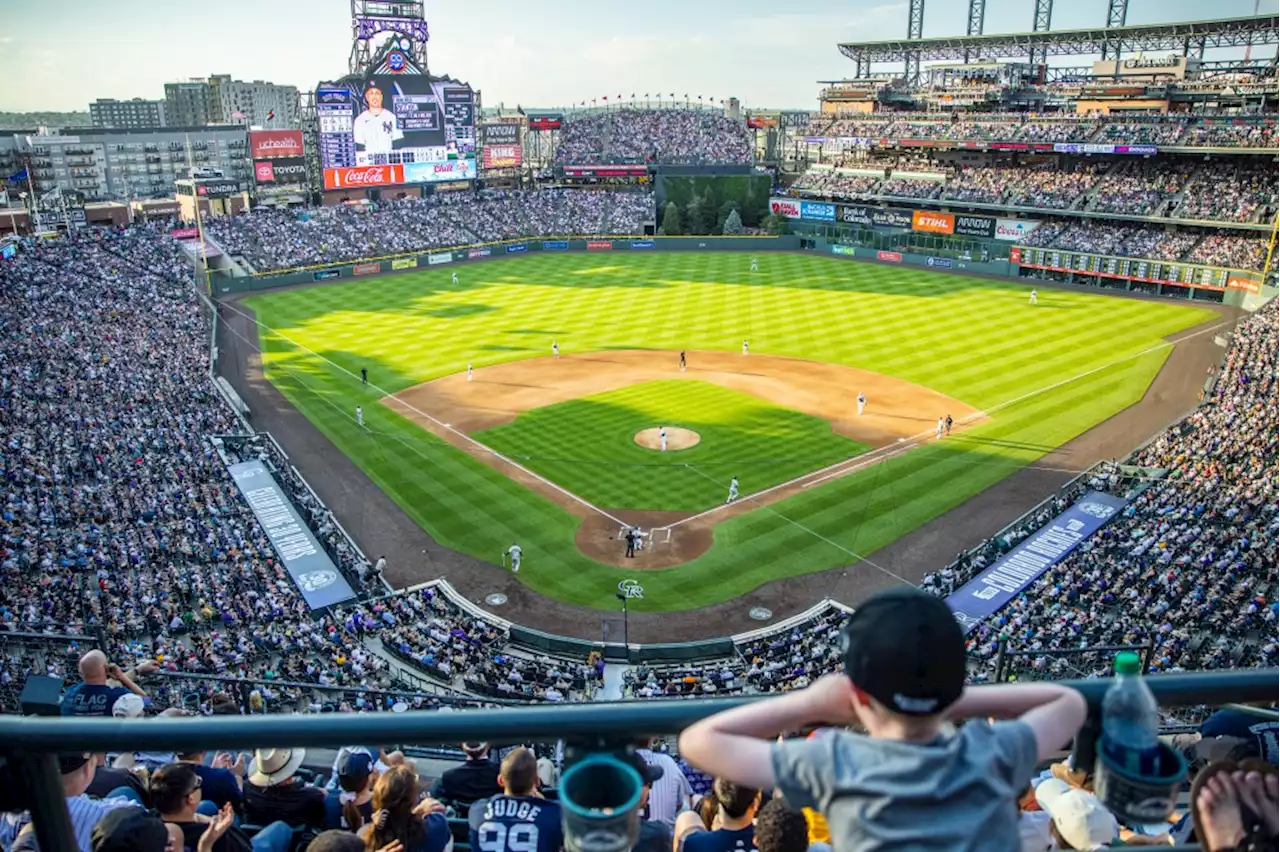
[[455, 276], [1034, 296], [949, 422], [555, 349], [862, 402], [733, 490], [360, 417], [514, 552], [755, 265], [746, 348], [469, 372], [662, 434], [683, 363], [364, 376]]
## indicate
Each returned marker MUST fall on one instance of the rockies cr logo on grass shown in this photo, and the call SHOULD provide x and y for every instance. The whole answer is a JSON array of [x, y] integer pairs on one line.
[[631, 589]]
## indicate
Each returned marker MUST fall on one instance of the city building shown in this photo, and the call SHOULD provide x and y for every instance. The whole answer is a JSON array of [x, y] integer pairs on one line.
[[135, 114], [259, 103], [191, 104], [106, 164]]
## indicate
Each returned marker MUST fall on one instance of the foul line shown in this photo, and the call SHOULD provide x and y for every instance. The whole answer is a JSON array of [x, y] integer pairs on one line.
[[847, 466], [445, 426]]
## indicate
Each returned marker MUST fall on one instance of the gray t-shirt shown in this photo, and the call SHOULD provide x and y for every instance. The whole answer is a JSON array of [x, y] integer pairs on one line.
[[957, 793]]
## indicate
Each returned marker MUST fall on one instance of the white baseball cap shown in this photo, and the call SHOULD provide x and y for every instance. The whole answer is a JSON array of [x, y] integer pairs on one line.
[[128, 707], [1081, 819]]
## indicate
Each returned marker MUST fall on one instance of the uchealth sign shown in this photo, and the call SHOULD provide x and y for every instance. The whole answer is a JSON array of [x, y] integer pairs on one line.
[[362, 177], [290, 170], [269, 144], [933, 223], [788, 207], [1015, 230]]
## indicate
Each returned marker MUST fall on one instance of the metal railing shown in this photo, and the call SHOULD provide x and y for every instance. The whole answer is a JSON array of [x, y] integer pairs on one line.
[[30, 745]]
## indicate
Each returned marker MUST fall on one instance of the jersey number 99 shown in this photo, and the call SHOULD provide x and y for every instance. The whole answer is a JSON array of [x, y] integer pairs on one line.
[[496, 837]]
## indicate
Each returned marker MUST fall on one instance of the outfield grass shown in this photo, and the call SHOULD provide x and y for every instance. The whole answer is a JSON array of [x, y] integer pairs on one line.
[[1070, 362], [587, 445]]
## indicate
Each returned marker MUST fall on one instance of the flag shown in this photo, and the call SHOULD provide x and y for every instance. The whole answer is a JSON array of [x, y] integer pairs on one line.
[[237, 115], [271, 115], [606, 97], [19, 177]]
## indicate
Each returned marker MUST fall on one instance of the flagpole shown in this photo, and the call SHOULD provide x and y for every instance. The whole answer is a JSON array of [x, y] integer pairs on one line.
[[195, 197], [35, 201]]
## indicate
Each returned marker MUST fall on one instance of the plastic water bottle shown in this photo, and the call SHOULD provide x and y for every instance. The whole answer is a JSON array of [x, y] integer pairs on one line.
[[1131, 718]]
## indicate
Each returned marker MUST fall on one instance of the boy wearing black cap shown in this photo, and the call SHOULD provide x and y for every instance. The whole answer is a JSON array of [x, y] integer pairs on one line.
[[905, 785]]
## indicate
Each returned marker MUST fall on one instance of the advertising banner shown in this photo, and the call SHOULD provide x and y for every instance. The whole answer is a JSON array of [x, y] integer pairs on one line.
[[850, 251], [545, 122], [217, 189], [933, 223], [366, 269], [555, 245], [317, 578], [363, 177], [283, 170], [854, 214], [759, 122], [269, 144], [975, 226], [987, 593], [891, 219], [599, 245], [821, 210], [185, 233], [1096, 148], [795, 119], [502, 156], [889, 256], [1246, 284], [434, 172], [1015, 230], [1015, 255], [499, 134], [439, 258], [939, 262], [815, 140], [404, 263], [642, 244], [788, 207], [326, 274], [480, 252], [606, 171], [518, 247]]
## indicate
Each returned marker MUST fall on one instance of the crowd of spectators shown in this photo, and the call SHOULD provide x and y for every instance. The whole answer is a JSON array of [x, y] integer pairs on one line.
[[1227, 249], [683, 136], [270, 239], [1231, 192], [1230, 134], [1133, 189], [830, 183]]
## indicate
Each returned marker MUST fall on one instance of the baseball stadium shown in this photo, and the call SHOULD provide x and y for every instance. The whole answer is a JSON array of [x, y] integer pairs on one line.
[[405, 418]]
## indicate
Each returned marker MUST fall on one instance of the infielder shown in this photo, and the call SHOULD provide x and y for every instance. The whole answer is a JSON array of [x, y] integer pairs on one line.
[[469, 372], [733, 490], [555, 349], [683, 363], [862, 402], [455, 276], [1034, 297], [514, 552], [745, 347], [942, 424], [662, 435], [755, 265], [360, 417], [949, 422]]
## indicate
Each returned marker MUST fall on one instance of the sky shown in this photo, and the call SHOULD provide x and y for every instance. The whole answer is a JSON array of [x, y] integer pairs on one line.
[[59, 56]]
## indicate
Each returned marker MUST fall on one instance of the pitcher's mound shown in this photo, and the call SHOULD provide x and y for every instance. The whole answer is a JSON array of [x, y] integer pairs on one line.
[[677, 438]]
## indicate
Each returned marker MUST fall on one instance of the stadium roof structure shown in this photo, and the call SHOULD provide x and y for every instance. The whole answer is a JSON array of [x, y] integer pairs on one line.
[[1252, 30]]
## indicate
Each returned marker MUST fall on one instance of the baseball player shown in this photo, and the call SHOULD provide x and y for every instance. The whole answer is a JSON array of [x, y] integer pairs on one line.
[[733, 490], [514, 552], [662, 435], [949, 422], [746, 348], [862, 402], [376, 129], [755, 265], [1034, 296], [364, 376], [555, 349], [683, 364], [942, 424], [469, 372], [639, 533], [360, 417], [631, 543], [455, 276]]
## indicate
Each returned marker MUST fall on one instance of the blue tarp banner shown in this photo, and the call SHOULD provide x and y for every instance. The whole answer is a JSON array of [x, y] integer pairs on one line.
[[318, 579], [1001, 581]]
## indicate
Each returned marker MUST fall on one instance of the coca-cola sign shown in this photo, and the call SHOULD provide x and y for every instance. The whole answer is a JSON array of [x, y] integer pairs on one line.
[[361, 177], [266, 144]]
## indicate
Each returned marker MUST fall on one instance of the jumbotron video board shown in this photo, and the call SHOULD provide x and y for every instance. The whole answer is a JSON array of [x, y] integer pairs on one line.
[[387, 128]]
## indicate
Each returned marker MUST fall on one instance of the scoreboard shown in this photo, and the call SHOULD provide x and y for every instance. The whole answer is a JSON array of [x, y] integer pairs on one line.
[[1127, 268]]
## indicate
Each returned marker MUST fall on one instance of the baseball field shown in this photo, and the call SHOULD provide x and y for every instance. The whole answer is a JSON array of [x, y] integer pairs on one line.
[[486, 437]]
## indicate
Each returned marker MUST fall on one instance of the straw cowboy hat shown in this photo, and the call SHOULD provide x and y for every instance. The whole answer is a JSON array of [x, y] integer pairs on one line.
[[274, 765]]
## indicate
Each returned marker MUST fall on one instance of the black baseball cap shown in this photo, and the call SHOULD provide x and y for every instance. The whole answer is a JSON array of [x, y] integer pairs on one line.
[[905, 649], [649, 772], [129, 830]]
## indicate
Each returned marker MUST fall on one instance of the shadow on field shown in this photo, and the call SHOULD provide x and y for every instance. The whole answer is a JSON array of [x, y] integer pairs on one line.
[[998, 442]]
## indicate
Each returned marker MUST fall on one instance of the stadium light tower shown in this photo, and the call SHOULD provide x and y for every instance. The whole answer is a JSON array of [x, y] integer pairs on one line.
[[372, 18], [1117, 13], [915, 32], [977, 14], [1041, 23]]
